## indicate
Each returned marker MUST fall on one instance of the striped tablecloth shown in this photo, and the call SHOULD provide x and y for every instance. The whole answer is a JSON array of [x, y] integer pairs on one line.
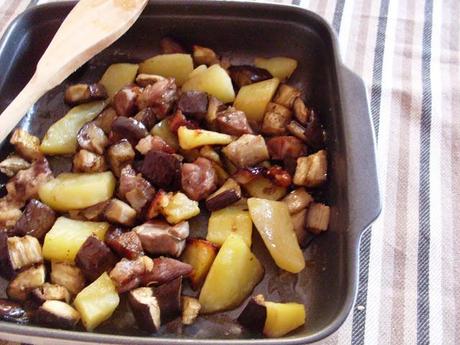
[[408, 54]]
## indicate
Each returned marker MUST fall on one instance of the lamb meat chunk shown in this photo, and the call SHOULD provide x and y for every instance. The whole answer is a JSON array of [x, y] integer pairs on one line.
[[170, 46], [135, 189], [84, 93], [57, 314], [314, 132], [199, 179], [10, 212], [19, 288], [153, 143], [12, 164], [159, 96], [26, 145], [204, 56], [190, 309], [129, 128], [234, 122], [164, 270], [276, 118], [287, 146], [147, 117], [247, 151], [88, 162], [119, 155], [286, 95], [162, 169], [245, 74], [119, 212], [279, 176], [125, 244], [227, 194], [48, 292], [13, 312], [36, 220], [94, 258], [145, 308], [193, 103], [125, 100], [144, 79], [129, 274], [68, 276], [160, 238], [105, 119], [92, 138], [318, 218], [311, 171]]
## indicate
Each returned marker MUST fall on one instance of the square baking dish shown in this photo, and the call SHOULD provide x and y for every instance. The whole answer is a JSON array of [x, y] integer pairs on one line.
[[240, 31]]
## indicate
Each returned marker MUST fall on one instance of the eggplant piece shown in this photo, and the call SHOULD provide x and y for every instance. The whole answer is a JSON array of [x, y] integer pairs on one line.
[[297, 200], [246, 74], [170, 46], [119, 155], [94, 258], [6, 267], [129, 128], [129, 274], [227, 194], [48, 292], [286, 95], [57, 314], [92, 138], [84, 93], [233, 122], [93, 213], [299, 220], [301, 111], [68, 276], [276, 118], [168, 296], [190, 309], [254, 315], [247, 151], [120, 212], [193, 103], [105, 119], [124, 101], [214, 107], [246, 175], [26, 145], [88, 162], [153, 143], [10, 213], [19, 288], [164, 270], [162, 170], [125, 244], [147, 117], [318, 218], [204, 56], [314, 132], [12, 164], [311, 171], [145, 308], [13, 312], [144, 79], [36, 220], [24, 251]]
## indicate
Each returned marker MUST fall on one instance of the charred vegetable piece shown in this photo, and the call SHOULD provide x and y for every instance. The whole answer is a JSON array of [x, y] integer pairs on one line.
[[125, 244], [93, 213], [175, 65], [57, 314], [88, 162], [6, 266], [66, 237], [153, 143], [160, 238], [92, 138], [48, 292], [162, 130], [129, 274], [10, 212], [24, 251], [285, 147], [125, 100], [299, 221], [233, 122], [97, 302], [253, 99], [297, 200], [76, 191], [199, 179], [61, 137], [170, 46], [26, 144], [159, 97], [204, 56], [283, 318], [12, 164], [105, 119], [169, 299], [117, 76], [274, 225], [84, 93], [286, 95], [129, 128], [94, 258], [314, 133], [120, 212], [190, 309], [297, 130], [254, 315], [180, 208], [158, 204], [301, 112], [245, 74], [214, 106], [162, 169], [247, 150], [193, 103], [311, 171], [235, 265], [144, 79], [145, 308], [36, 220], [68, 276], [192, 138], [227, 194], [227, 221], [164, 270], [318, 218], [119, 155], [276, 118], [19, 288], [147, 117], [264, 188], [13, 312], [200, 255], [280, 67]]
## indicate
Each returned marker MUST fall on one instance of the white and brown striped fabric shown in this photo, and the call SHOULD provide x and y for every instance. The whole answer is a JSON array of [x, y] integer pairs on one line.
[[408, 53]]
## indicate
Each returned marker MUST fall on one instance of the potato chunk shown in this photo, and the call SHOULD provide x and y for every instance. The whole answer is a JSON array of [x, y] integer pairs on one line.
[[177, 66], [233, 275], [117, 76], [61, 137], [191, 138], [180, 208], [65, 238], [283, 318], [97, 302], [200, 255], [254, 98], [311, 171], [71, 191], [273, 221], [229, 220], [279, 67]]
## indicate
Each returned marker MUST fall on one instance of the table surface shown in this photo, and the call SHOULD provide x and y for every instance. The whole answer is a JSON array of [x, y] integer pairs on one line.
[[408, 54]]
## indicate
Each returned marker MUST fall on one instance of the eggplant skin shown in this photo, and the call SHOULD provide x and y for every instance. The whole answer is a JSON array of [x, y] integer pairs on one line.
[[13, 312], [145, 308], [253, 316], [169, 299], [57, 314]]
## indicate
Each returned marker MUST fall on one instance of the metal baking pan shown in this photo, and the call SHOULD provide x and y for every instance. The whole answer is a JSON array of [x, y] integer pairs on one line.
[[241, 31]]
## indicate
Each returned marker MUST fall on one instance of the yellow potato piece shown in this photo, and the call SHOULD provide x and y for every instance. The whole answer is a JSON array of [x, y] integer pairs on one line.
[[279, 67], [97, 302], [214, 80], [273, 221], [196, 71], [117, 76], [162, 130], [229, 220], [178, 66], [65, 238], [61, 137], [191, 138], [261, 187], [254, 98], [180, 208], [199, 254], [233, 275], [71, 191], [283, 318]]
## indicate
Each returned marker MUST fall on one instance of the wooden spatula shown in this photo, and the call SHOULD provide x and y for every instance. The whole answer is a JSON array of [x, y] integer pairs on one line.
[[90, 27]]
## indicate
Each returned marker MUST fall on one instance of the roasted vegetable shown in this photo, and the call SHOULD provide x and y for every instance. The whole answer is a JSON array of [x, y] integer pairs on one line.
[[117, 76], [19, 288], [204, 56], [276, 118], [125, 244], [233, 275], [190, 309], [162, 130], [169, 299], [279, 67], [191, 138], [92, 138], [23, 252], [311, 171], [94, 258], [245, 74], [233, 122], [254, 314], [274, 225], [247, 150], [88, 162], [318, 218], [12, 164], [144, 79], [301, 112], [314, 132], [297, 200], [68, 276], [176, 65], [145, 308], [299, 221], [13, 312], [200, 255], [286, 95], [97, 302], [129, 128], [93, 213], [180, 208], [264, 188], [105, 119], [26, 144], [57, 314], [227, 221], [119, 155], [120, 213], [48, 292], [125, 100], [147, 117], [227, 194], [170, 46], [286, 147]]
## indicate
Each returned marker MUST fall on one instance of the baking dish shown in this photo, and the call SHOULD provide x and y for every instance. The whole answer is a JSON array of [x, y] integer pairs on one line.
[[241, 31]]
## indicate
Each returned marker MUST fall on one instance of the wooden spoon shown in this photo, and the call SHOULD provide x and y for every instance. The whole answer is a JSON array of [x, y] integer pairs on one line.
[[90, 27]]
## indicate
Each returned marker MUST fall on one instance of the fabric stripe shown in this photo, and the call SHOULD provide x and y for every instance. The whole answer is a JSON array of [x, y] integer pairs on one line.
[[337, 20]]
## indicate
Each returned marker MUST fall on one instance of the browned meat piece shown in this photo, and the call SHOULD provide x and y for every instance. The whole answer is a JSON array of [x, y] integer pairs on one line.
[[13, 312], [153, 143], [276, 118], [199, 179], [286, 95], [36, 220], [94, 258], [318, 218], [170, 46], [204, 56], [135, 189], [19, 288], [163, 170], [247, 150], [160, 238], [246, 175], [26, 145], [164, 270], [279, 176], [147, 117], [119, 212], [25, 184], [125, 244], [148, 79], [105, 119], [314, 132], [234, 122], [10, 212], [12, 164], [159, 96], [119, 155], [88, 162], [311, 171], [228, 194], [48, 292], [284, 147], [125, 100], [178, 120], [67, 275], [129, 128], [84, 93], [297, 200], [193, 103], [246, 74], [129, 274], [92, 138]]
